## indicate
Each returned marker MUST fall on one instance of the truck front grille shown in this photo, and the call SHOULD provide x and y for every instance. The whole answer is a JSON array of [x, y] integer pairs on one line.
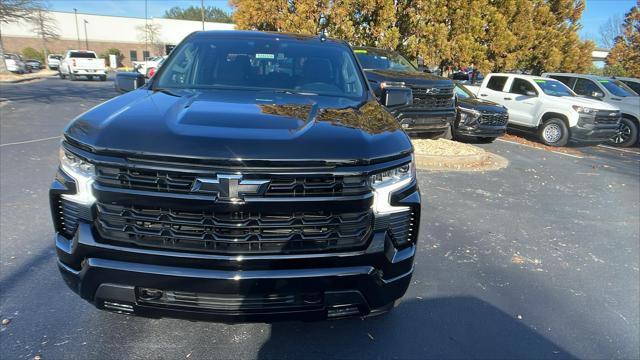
[[182, 182], [494, 119], [433, 98], [607, 117], [235, 232]]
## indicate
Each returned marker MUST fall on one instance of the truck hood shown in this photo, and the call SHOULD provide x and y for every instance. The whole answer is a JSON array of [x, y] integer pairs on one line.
[[481, 105], [628, 105], [585, 102], [409, 78], [241, 125]]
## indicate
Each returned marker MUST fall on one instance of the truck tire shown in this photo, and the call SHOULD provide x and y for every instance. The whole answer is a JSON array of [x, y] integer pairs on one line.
[[628, 135], [62, 76], [103, 77], [554, 132], [72, 76]]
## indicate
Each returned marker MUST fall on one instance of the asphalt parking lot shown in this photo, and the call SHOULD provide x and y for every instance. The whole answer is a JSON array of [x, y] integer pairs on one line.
[[538, 260]]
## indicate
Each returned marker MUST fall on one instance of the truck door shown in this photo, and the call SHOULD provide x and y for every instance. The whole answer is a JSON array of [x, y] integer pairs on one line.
[[522, 102], [493, 90]]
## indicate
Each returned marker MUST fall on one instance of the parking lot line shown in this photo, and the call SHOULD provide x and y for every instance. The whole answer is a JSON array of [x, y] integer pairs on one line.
[[29, 141], [619, 149], [533, 147]]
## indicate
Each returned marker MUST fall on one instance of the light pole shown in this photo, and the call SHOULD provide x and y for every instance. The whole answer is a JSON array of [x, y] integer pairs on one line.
[[202, 12], [146, 30], [86, 39], [75, 11]]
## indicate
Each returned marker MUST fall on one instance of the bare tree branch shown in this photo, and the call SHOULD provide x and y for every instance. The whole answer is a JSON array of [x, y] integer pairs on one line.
[[609, 31]]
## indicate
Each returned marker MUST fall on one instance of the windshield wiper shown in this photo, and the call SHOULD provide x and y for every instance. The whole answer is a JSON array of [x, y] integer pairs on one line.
[[292, 92], [166, 91]]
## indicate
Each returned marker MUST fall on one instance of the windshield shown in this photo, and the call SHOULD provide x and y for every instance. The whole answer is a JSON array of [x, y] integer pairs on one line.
[[86, 55], [383, 60], [276, 64], [554, 87], [635, 86], [616, 88], [462, 92]]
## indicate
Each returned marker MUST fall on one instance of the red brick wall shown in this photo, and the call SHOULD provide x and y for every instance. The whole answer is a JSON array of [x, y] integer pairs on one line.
[[17, 44]]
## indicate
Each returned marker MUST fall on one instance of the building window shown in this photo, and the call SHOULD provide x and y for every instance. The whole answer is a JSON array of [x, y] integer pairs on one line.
[[145, 55], [133, 55]]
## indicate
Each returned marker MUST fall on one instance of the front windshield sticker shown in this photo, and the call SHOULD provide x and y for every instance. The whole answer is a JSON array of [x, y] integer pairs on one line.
[[540, 81], [265, 56], [603, 81], [360, 51]]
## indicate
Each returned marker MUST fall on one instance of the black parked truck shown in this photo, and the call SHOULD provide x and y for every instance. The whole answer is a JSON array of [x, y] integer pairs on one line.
[[432, 111], [480, 119], [254, 177]]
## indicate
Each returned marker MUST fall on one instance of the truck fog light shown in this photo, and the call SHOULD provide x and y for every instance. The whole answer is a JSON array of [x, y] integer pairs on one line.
[[386, 182], [83, 172]]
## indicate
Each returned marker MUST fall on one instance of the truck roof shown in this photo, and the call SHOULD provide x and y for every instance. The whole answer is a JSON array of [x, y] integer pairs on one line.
[[584, 76], [247, 34], [524, 76]]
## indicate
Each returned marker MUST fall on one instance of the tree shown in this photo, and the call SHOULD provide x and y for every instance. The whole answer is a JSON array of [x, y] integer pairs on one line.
[[113, 51], [31, 53], [11, 11], [45, 27], [150, 34], [609, 31], [625, 53], [494, 35], [211, 14]]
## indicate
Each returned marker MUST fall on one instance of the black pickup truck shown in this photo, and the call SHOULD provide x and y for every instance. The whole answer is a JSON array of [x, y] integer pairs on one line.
[[433, 108], [255, 176]]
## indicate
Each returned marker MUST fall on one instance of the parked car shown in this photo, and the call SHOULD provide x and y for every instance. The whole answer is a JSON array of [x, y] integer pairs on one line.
[[82, 63], [15, 64], [481, 119], [549, 108], [254, 176], [53, 61], [33, 64], [611, 91], [143, 67], [632, 83], [154, 67], [433, 108]]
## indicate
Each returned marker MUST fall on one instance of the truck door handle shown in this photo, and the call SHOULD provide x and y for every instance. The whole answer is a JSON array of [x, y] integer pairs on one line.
[[507, 98], [483, 94]]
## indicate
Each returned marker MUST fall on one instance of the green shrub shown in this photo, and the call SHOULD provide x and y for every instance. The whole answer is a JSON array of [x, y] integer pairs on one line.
[[31, 53], [112, 51]]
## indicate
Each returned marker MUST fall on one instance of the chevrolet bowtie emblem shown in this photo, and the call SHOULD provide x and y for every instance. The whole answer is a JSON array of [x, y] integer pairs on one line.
[[432, 91], [230, 187]]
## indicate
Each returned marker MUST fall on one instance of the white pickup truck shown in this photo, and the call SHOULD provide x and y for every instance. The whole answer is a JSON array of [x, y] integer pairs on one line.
[[550, 109], [82, 63]]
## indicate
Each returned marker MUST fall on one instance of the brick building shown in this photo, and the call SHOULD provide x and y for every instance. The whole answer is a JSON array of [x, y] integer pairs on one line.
[[104, 32]]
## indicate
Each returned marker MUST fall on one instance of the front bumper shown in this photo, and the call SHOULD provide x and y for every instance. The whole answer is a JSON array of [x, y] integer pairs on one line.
[[589, 131], [323, 285]]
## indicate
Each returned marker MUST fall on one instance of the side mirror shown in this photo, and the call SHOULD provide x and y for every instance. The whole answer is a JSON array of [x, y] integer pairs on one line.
[[597, 94], [128, 81], [531, 93], [396, 96]]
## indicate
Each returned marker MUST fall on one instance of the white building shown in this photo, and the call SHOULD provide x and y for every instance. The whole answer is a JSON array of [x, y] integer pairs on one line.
[[105, 32]]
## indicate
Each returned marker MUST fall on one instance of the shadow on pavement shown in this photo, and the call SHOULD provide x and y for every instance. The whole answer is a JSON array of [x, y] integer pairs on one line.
[[455, 327]]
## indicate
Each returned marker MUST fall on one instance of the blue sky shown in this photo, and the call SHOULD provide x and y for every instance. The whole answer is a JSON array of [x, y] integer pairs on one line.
[[597, 12]]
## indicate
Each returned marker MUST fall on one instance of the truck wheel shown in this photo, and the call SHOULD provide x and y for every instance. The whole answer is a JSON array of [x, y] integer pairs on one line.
[[103, 77], [62, 76], [628, 134], [554, 132], [72, 77]]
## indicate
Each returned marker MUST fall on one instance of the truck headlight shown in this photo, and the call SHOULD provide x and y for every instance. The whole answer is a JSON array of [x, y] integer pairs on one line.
[[386, 182], [584, 110], [468, 116], [83, 173]]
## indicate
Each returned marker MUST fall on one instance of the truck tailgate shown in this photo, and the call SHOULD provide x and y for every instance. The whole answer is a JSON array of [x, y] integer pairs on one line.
[[87, 63]]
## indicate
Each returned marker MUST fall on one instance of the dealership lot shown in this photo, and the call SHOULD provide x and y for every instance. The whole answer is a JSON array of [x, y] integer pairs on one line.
[[538, 260]]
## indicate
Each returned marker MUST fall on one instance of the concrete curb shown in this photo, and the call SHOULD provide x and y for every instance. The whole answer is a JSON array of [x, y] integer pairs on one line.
[[483, 161], [16, 81]]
